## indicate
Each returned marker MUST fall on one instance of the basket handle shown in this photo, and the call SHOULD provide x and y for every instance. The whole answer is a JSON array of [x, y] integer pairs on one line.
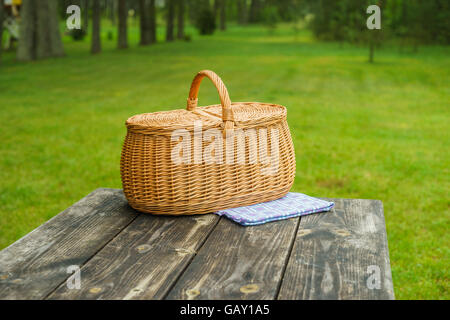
[[192, 101]]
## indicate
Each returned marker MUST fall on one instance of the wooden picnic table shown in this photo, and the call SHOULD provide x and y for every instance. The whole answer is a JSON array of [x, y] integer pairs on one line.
[[123, 254]]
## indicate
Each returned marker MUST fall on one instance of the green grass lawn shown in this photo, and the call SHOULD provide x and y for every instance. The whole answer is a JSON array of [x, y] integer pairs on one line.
[[376, 131]]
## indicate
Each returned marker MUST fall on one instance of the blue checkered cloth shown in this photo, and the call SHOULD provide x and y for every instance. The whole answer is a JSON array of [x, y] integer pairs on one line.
[[292, 205]]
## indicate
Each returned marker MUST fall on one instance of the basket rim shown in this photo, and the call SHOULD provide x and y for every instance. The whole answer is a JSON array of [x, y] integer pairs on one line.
[[209, 120]]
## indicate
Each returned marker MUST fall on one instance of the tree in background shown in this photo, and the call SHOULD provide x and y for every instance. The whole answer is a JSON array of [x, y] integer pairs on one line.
[[145, 28], [1, 28], [374, 37], [242, 11], [152, 21], [216, 8], [223, 16], [95, 44], [170, 19], [417, 22], [411, 21], [345, 21], [194, 8], [270, 18], [180, 18], [85, 10], [287, 10], [206, 23], [112, 5], [123, 15], [202, 16], [39, 31], [255, 11]]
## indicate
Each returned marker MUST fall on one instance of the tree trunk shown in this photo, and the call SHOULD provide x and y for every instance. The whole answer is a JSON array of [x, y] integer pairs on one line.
[[1, 28], [180, 23], [223, 16], [39, 31], [86, 15], [216, 8], [170, 18], [375, 37], [195, 8], [123, 15], [242, 11], [112, 11], [371, 50], [152, 21], [255, 7], [144, 23], [95, 45]]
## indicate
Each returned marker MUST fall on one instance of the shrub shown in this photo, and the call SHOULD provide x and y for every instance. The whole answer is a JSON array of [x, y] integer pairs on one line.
[[270, 18], [206, 23], [110, 35], [77, 34]]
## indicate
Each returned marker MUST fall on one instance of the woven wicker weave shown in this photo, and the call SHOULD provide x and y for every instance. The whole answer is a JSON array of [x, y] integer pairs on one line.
[[154, 183]]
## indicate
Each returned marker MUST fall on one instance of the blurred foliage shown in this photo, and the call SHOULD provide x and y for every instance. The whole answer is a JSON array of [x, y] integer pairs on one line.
[[412, 20], [77, 34], [206, 22], [407, 22], [270, 17]]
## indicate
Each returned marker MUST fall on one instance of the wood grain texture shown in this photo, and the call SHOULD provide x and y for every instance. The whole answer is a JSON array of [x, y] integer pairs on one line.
[[126, 255], [238, 262], [334, 251], [144, 261], [36, 264]]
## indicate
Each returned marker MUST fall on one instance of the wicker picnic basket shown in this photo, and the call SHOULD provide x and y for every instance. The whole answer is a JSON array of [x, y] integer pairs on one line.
[[174, 162]]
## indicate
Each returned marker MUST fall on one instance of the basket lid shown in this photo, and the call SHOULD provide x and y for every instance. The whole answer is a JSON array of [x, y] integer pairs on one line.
[[245, 114], [226, 114]]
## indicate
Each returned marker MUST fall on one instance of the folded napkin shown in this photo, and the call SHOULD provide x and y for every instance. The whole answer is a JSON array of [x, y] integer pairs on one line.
[[291, 205]]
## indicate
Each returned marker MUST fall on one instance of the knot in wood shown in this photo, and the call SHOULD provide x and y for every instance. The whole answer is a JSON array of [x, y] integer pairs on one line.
[[249, 288]]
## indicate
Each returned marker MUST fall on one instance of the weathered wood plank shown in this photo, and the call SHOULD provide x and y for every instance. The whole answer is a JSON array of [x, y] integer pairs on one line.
[[144, 260], [337, 253], [238, 262], [36, 264]]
